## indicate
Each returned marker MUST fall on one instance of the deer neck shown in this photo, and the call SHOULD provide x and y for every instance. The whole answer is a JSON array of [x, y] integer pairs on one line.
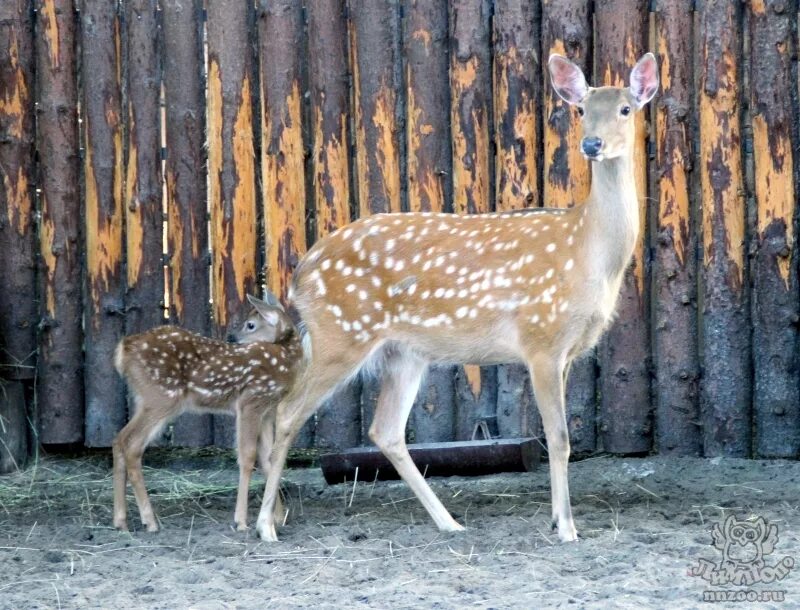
[[612, 215]]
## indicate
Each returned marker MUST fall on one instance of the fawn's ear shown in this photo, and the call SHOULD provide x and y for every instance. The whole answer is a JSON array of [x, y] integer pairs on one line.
[[269, 312], [568, 79], [644, 79], [271, 299]]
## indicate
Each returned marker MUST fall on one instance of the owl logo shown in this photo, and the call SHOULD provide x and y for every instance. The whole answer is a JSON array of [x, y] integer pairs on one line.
[[744, 543]]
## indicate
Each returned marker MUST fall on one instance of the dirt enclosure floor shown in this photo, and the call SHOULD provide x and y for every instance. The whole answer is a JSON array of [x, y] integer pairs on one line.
[[644, 525]]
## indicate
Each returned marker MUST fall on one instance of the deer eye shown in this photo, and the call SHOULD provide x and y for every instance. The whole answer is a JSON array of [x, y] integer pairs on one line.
[[250, 326], [625, 110], [580, 110]]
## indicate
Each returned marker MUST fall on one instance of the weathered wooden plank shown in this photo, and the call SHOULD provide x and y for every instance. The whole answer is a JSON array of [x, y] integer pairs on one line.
[[103, 166], [725, 392], [464, 458], [338, 421], [567, 30], [185, 172], [13, 419], [625, 409], [774, 111], [283, 157], [280, 27], [675, 357], [374, 36], [427, 112], [17, 227], [428, 180], [59, 389], [17, 230], [144, 300], [470, 105], [517, 97], [375, 61], [470, 122], [231, 168]]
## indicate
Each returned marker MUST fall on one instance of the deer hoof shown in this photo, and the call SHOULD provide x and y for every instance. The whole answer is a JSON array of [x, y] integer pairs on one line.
[[266, 531]]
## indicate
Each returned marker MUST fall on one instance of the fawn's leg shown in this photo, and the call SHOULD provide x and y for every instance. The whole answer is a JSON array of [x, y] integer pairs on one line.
[[547, 377], [316, 382], [265, 442], [401, 379], [248, 421], [131, 443], [120, 483]]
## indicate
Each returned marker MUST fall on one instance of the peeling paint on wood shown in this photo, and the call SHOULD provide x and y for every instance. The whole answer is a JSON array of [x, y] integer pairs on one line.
[[725, 391], [104, 217], [473, 189], [566, 172], [60, 394], [517, 86], [143, 187], [187, 237], [373, 36], [517, 97], [774, 112], [231, 198], [427, 113], [374, 31], [48, 24], [282, 148], [674, 285], [17, 227], [624, 352], [567, 30], [338, 422], [429, 177], [231, 167]]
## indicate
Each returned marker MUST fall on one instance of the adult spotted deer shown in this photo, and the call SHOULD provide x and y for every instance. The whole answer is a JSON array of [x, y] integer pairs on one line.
[[397, 291], [170, 370]]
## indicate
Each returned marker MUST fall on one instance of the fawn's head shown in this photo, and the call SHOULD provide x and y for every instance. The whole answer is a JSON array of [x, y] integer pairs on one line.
[[606, 112], [268, 321]]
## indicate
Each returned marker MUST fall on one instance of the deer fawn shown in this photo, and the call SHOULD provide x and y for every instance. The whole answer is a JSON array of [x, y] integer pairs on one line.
[[538, 286], [170, 370]]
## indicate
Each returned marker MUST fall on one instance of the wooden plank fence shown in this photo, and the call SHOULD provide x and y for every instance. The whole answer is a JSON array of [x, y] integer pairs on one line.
[[160, 160]]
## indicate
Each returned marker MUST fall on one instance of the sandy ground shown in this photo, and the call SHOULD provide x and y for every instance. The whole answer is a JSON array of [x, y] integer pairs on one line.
[[644, 523]]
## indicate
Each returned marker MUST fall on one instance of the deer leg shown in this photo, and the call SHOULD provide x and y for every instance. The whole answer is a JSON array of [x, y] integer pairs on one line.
[[402, 377], [129, 445], [120, 483], [313, 386], [118, 449], [266, 440], [247, 425], [547, 377], [133, 439]]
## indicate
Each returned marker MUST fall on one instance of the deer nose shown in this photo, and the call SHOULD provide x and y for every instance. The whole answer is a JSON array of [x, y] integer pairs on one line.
[[232, 338], [591, 146]]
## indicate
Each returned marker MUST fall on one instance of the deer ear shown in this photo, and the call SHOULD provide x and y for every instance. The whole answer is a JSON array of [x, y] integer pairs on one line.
[[568, 79], [269, 312], [271, 299], [644, 79]]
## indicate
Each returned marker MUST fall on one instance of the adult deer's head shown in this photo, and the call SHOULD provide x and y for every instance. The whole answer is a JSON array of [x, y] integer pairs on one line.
[[606, 112]]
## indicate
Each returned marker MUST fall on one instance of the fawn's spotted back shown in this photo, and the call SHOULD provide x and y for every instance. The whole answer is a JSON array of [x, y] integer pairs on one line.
[[185, 365]]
